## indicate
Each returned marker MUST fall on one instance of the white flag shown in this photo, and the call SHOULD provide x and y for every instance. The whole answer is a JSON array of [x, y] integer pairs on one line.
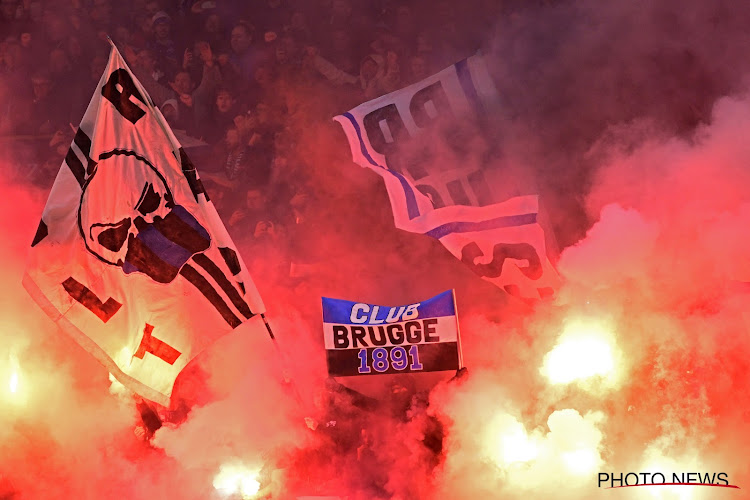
[[130, 257], [502, 242]]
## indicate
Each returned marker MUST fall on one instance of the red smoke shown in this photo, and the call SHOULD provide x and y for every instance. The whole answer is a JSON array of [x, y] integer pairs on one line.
[[651, 208]]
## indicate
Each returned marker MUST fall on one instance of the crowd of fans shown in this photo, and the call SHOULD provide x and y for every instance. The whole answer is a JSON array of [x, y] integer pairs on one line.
[[239, 82]]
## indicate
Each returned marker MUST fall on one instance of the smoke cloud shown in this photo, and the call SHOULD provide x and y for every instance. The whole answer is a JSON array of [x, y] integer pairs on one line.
[[631, 120]]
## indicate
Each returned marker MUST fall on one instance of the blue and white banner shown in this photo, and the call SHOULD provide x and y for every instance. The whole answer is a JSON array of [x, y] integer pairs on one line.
[[499, 238], [367, 339]]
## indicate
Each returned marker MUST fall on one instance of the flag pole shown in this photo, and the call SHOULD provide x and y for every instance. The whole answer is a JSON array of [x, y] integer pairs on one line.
[[268, 327]]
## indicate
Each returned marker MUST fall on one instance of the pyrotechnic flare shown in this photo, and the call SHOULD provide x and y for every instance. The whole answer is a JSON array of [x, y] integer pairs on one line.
[[584, 350]]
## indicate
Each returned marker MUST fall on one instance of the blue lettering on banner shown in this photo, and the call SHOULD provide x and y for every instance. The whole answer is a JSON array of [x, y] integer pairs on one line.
[[384, 358], [345, 312]]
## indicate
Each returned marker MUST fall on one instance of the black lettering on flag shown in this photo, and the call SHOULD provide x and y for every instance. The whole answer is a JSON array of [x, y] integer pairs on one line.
[[430, 326], [340, 337], [392, 121], [457, 192], [79, 170], [84, 144], [434, 94], [121, 99], [379, 340], [395, 333], [203, 286], [87, 298], [191, 174], [358, 333], [500, 252], [75, 166], [480, 187], [387, 119], [157, 347], [218, 275], [231, 259], [41, 232], [432, 194]]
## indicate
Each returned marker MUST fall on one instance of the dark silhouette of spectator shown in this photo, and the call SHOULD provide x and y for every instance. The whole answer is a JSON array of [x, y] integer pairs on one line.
[[245, 57], [46, 112], [221, 117], [150, 76], [162, 46]]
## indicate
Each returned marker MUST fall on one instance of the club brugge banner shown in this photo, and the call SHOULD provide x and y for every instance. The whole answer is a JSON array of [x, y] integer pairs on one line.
[[367, 339], [499, 238], [130, 257]]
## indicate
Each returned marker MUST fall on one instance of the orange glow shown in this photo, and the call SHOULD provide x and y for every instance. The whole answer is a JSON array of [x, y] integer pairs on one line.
[[237, 479], [584, 350], [513, 443]]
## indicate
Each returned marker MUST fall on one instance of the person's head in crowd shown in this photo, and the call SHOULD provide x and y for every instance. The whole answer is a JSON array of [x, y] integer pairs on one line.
[[281, 55], [41, 84], [59, 63], [170, 110], [263, 76], [424, 43], [404, 22], [263, 113], [97, 66], [26, 39], [12, 57], [255, 199], [122, 34], [35, 12], [418, 68], [74, 48], [242, 37], [143, 25], [217, 194], [225, 100], [285, 50], [341, 10], [8, 9], [212, 24], [445, 11], [101, 12], [182, 83], [232, 138], [162, 26], [56, 28], [245, 123], [146, 60], [298, 22], [369, 67], [341, 41], [152, 7]]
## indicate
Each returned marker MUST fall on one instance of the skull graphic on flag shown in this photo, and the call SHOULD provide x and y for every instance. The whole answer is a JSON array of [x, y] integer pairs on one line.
[[141, 231]]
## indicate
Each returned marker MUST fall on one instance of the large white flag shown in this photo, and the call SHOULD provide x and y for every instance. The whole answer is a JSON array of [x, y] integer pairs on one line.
[[500, 241], [130, 257]]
